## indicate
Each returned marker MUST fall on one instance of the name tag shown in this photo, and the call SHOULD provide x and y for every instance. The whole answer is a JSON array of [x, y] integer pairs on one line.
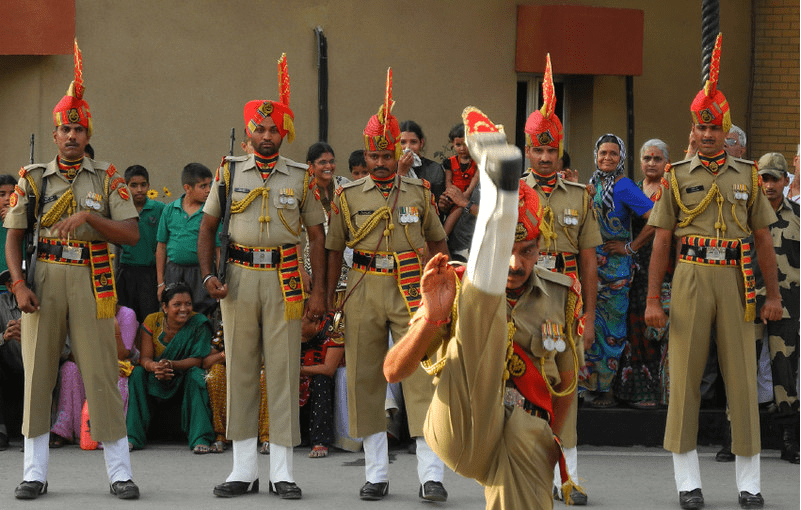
[[384, 262], [51, 198], [242, 190], [693, 189], [71, 253], [547, 261], [715, 254], [263, 257]]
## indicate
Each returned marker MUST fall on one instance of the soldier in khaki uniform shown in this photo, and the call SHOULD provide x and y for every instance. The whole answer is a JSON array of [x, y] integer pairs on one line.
[[569, 236], [389, 221], [711, 203], [782, 335], [262, 298], [80, 205], [514, 331]]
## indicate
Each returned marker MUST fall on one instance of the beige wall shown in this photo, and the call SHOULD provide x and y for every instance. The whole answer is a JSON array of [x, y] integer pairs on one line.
[[166, 80]]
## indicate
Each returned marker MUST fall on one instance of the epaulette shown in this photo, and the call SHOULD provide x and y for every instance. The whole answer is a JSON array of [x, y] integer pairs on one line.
[[557, 278], [234, 158], [353, 184], [27, 168], [796, 207], [681, 163], [412, 180], [295, 164], [668, 167], [571, 183], [744, 161]]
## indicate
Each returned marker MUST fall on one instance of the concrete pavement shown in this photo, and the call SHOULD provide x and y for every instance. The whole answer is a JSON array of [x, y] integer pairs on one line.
[[171, 477]]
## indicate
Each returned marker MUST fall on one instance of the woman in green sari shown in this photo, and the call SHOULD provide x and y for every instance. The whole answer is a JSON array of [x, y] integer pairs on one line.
[[174, 343]]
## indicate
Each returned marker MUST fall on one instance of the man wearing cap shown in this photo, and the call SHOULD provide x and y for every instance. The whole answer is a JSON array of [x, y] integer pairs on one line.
[[262, 299], [711, 203], [782, 334], [81, 206], [569, 236], [390, 222], [506, 374]]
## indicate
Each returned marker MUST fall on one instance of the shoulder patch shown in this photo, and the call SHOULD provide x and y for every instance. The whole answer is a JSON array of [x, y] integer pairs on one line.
[[664, 182], [116, 182], [339, 190], [426, 184], [556, 278], [111, 170], [123, 192], [668, 167], [27, 168], [12, 200]]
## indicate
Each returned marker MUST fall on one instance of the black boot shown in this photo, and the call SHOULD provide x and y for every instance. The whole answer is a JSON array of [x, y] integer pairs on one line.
[[725, 454], [790, 444]]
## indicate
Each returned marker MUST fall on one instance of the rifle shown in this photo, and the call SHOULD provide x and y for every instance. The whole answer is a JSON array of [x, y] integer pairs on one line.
[[225, 205], [31, 240]]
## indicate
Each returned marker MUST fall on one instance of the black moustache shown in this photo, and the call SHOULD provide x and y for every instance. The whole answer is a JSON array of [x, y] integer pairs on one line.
[[517, 272]]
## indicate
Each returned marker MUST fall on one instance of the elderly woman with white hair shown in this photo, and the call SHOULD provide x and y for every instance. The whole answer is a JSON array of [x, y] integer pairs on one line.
[[643, 376]]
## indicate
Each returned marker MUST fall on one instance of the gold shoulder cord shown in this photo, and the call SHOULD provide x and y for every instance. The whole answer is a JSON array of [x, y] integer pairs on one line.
[[546, 227], [34, 188], [383, 213], [64, 203], [714, 193], [435, 368]]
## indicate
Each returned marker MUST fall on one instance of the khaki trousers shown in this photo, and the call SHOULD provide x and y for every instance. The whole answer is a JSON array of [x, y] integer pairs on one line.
[[704, 295], [255, 328], [66, 292], [509, 452], [375, 308]]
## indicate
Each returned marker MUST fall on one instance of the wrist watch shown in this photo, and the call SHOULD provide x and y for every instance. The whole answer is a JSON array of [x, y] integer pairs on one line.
[[468, 206]]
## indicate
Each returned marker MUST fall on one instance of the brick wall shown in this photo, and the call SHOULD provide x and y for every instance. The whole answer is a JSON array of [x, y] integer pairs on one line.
[[774, 120]]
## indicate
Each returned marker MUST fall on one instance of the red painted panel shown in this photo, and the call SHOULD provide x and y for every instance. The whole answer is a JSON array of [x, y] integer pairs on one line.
[[580, 39], [37, 27]]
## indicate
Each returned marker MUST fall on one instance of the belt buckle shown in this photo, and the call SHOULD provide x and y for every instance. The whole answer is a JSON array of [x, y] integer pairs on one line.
[[513, 397], [384, 262], [714, 253], [547, 261], [263, 258], [71, 253]]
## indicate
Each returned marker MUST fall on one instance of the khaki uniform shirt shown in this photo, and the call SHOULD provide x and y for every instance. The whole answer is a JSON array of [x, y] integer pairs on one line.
[[414, 219], [694, 182], [281, 202], [90, 185], [568, 201], [543, 301]]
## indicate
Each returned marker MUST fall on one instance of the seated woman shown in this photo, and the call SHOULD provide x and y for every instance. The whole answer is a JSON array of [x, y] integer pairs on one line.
[[320, 358], [71, 394], [174, 343], [216, 383]]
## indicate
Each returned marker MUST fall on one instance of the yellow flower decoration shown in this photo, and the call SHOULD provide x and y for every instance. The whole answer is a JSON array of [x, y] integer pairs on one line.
[[167, 192], [152, 194]]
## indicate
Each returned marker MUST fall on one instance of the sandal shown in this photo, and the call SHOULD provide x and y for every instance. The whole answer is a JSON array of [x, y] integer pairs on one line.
[[217, 447], [604, 401], [265, 448], [318, 451], [201, 449], [644, 404], [57, 441]]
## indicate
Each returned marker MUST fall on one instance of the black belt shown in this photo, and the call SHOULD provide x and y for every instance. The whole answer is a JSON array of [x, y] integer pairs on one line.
[[364, 260], [56, 250], [246, 257], [525, 404]]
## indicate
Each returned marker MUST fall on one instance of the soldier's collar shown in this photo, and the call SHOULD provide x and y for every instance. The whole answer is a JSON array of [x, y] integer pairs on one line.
[[695, 164], [52, 167]]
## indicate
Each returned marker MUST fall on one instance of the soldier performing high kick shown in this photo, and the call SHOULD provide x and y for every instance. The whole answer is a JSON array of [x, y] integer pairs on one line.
[[711, 203], [389, 221], [569, 237], [80, 206], [262, 299], [507, 370]]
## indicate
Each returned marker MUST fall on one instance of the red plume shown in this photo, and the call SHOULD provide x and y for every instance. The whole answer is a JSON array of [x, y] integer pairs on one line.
[[548, 94], [283, 80], [77, 85], [714, 68]]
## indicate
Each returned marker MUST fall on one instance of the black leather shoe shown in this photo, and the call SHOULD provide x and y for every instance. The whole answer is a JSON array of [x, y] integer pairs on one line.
[[30, 490], [433, 491], [3, 441], [126, 489], [748, 500], [790, 454], [286, 490], [234, 489], [724, 455], [374, 491], [691, 499]]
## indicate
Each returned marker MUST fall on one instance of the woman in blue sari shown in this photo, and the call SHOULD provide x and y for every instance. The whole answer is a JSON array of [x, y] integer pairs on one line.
[[615, 199]]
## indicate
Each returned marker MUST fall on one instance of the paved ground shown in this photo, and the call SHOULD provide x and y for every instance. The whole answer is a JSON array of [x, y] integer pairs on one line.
[[170, 476]]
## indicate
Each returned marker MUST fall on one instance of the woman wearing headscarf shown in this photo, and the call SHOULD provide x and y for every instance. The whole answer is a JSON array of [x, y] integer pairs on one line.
[[642, 377], [615, 200]]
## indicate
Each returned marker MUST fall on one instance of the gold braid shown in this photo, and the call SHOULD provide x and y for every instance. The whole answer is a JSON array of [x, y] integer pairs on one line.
[[286, 223], [238, 206], [58, 209], [546, 228], [383, 213], [751, 198], [510, 348], [714, 192]]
